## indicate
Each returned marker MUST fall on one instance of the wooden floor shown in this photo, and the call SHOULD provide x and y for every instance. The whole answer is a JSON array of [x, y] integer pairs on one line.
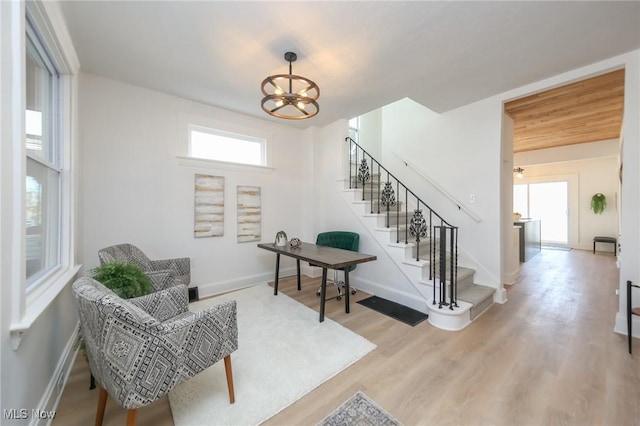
[[548, 356]]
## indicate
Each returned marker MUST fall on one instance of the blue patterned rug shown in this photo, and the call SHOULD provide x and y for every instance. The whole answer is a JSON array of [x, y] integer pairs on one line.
[[359, 410]]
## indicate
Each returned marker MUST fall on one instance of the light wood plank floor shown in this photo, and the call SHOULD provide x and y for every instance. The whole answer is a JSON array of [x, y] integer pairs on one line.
[[548, 356]]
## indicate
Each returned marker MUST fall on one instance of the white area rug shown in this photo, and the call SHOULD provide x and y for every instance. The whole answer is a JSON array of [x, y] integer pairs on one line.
[[284, 353]]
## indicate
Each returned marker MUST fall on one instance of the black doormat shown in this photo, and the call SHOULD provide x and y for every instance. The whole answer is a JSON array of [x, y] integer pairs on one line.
[[394, 310]]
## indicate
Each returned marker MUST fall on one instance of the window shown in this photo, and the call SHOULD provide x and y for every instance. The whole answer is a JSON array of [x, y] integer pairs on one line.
[[43, 152], [219, 145], [354, 128], [38, 175]]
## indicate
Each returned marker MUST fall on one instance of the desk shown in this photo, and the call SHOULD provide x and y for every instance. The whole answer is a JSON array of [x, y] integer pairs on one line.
[[325, 257]]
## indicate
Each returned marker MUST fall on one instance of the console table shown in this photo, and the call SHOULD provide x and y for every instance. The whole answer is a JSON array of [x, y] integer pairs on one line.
[[323, 256]]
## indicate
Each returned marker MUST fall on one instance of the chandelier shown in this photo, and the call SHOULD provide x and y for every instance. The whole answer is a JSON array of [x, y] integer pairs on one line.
[[290, 96]]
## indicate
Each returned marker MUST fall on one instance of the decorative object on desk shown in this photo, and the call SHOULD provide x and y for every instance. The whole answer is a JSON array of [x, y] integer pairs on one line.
[[209, 206], [598, 203], [295, 242], [281, 239], [249, 213], [516, 216]]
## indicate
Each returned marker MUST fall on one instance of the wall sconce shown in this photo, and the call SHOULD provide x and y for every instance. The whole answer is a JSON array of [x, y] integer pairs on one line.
[[519, 172]]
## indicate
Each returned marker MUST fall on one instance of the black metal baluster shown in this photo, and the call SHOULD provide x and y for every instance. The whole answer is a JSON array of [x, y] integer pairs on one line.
[[406, 216], [363, 175], [372, 180], [418, 229], [387, 199], [397, 213], [355, 166], [379, 176], [455, 299]]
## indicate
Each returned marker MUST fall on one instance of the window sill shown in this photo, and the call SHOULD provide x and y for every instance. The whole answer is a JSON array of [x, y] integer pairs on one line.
[[212, 164], [39, 303]]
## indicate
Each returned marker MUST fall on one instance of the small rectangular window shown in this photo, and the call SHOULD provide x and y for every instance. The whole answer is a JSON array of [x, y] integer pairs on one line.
[[218, 145]]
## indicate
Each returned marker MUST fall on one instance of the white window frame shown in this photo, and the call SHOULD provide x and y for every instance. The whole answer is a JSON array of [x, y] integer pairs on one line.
[[47, 21], [261, 142], [187, 123]]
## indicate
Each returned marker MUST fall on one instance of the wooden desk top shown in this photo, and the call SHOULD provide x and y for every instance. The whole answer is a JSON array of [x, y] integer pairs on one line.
[[326, 257]]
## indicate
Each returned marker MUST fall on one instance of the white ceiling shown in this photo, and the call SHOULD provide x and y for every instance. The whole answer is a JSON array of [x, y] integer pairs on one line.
[[363, 55]]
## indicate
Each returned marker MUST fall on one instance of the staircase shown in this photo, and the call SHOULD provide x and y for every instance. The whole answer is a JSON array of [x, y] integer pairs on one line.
[[422, 244]]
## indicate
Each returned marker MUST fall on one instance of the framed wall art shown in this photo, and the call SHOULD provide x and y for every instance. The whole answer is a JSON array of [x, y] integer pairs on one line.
[[209, 206]]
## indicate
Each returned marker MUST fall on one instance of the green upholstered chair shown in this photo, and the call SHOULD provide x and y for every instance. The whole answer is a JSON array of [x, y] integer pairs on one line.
[[343, 240]]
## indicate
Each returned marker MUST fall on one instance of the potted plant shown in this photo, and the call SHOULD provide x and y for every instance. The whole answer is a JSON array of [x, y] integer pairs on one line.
[[598, 203], [124, 279]]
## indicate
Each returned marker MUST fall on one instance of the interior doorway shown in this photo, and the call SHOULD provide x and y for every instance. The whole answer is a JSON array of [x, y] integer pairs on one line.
[[549, 202]]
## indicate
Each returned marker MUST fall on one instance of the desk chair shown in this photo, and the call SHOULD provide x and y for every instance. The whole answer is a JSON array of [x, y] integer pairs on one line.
[[343, 240], [631, 311]]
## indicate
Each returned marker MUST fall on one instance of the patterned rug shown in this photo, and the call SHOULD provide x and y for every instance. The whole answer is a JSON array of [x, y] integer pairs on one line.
[[284, 353], [359, 410]]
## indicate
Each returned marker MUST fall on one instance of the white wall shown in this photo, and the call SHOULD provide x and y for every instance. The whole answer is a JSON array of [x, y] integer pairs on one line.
[[370, 133], [382, 277], [136, 190], [460, 151]]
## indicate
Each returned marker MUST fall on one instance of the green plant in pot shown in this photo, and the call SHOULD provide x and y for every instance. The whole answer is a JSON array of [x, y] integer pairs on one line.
[[124, 279], [598, 203]]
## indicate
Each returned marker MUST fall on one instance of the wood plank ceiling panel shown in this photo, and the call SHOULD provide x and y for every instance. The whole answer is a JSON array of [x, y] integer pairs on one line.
[[589, 110]]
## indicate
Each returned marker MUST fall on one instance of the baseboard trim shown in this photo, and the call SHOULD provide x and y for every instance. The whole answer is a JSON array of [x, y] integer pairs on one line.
[[52, 394], [213, 289]]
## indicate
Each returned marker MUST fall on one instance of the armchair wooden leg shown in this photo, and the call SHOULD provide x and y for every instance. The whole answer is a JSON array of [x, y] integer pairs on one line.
[[131, 417], [102, 402], [227, 369]]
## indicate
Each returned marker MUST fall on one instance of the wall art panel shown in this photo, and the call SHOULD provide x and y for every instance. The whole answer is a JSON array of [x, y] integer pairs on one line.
[[249, 214], [209, 206]]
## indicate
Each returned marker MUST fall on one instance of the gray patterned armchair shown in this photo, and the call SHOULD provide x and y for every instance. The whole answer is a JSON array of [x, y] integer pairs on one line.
[[141, 348], [163, 273]]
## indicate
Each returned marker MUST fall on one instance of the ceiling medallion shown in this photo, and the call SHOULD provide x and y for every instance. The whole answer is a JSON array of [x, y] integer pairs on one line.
[[290, 96]]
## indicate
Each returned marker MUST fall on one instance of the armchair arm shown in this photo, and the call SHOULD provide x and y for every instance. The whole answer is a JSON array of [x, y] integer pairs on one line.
[[197, 332], [164, 304], [180, 268]]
